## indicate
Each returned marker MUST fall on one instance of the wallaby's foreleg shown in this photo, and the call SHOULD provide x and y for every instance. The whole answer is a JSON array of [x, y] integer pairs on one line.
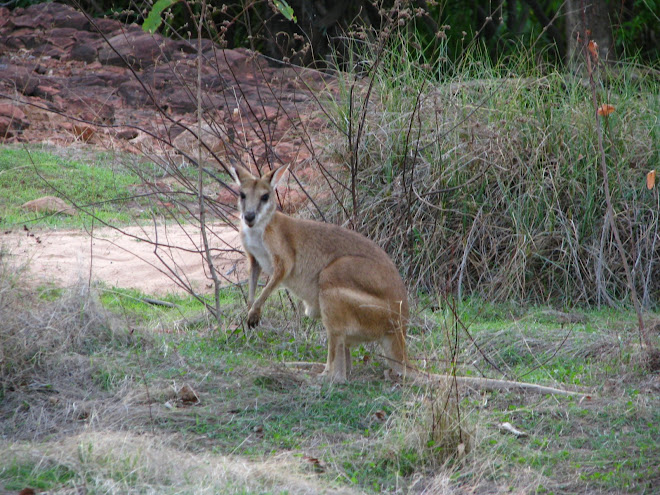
[[255, 271], [254, 315]]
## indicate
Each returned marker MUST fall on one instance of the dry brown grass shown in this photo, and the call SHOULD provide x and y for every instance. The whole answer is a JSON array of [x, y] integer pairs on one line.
[[124, 462], [45, 347]]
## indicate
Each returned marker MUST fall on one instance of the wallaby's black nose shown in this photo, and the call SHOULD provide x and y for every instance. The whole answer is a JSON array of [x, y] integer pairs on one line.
[[249, 216]]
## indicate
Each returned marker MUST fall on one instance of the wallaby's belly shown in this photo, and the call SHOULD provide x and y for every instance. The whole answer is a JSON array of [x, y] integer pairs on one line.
[[307, 290]]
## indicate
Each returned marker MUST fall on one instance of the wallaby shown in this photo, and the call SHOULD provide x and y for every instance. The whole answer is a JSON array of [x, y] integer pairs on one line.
[[340, 275]]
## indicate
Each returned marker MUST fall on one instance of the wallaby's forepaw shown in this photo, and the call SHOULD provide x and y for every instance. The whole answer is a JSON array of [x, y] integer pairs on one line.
[[254, 315]]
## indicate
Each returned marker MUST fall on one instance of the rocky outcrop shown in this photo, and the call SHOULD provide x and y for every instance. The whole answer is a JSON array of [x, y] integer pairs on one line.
[[61, 70]]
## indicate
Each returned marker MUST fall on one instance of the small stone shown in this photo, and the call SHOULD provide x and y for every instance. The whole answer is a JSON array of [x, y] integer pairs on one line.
[[49, 204]]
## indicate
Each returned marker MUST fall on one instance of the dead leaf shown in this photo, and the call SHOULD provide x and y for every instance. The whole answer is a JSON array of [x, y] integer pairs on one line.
[[380, 416], [605, 109], [593, 49], [650, 180], [316, 464], [83, 132], [187, 395]]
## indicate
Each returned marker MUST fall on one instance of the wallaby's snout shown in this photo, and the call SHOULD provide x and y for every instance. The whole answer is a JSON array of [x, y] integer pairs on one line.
[[249, 217]]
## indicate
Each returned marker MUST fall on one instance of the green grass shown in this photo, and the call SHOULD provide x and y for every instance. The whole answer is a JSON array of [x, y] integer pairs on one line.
[[97, 186], [136, 303], [369, 434], [605, 446], [43, 478]]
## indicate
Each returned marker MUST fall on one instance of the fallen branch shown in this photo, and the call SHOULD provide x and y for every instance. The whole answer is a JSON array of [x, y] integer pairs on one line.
[[479, 383]]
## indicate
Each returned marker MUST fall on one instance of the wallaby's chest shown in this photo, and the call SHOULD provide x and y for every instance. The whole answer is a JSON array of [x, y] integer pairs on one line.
[[254, 243]]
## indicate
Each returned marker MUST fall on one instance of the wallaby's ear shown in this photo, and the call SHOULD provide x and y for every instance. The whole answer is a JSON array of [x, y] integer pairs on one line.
[[275, 176], [239, 174]]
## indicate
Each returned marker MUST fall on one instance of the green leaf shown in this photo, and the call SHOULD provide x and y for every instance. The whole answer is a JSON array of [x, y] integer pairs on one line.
[[153, 20], [285, 9]]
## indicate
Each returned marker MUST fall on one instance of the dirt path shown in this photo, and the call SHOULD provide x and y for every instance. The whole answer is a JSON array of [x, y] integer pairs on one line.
[[126, 259]]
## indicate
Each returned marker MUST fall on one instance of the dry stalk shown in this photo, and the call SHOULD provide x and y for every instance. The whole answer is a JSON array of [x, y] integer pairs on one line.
[[591, 55], [200, 176]]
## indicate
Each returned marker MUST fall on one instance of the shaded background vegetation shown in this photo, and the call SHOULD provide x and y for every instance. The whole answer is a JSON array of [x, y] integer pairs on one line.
[[442, 29]]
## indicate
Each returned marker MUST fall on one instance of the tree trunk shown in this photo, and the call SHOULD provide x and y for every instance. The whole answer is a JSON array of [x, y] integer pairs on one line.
[[590, 20]]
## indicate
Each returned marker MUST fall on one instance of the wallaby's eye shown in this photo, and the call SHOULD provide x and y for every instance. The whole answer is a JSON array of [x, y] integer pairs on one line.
[[242, 195], [264, 198]]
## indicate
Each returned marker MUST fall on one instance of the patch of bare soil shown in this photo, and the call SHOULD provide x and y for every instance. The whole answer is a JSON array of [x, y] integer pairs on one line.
[[155, 260]]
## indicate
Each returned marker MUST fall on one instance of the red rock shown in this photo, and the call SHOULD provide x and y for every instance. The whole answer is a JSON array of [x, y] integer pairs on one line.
[[227, 197], [28, 21], [283, 123], [71, 19], [89, 108], [25, 38], [4, 17], [62, 37], [49, 51], [134, 94], [83, 52], [6, 131], [127, 134], [46, 92], [137, 49], [106, 26], [12, 112], [111, 76], [266, 112], [21, 78]]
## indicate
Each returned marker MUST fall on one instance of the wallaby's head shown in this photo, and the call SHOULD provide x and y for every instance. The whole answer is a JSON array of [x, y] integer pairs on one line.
[[257, 195]]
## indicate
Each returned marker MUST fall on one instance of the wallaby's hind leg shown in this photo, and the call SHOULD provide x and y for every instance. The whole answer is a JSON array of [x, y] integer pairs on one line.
[[338, 365], [361, 304], [351, 318]]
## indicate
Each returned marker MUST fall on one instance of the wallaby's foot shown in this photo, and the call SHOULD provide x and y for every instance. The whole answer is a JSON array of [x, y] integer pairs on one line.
[[331, 375], [254, 316], [334, 378]]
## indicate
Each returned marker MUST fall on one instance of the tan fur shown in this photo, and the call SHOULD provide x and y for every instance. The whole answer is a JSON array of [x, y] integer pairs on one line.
[[341, 276]]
